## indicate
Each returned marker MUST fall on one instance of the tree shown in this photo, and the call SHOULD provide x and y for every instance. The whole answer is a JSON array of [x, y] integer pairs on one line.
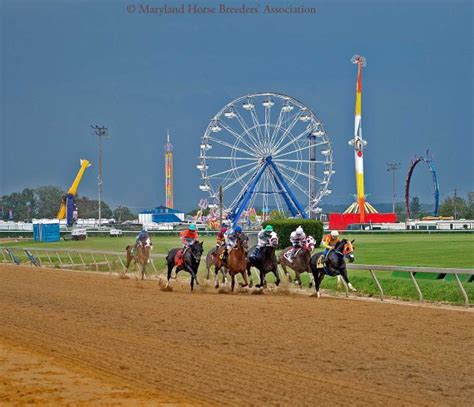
[[401, 212], [122, 213], [455, 207], [89, 208], [415, 207], [48, 199]]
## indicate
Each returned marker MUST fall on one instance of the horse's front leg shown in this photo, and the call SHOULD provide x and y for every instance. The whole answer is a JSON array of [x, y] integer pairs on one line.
[[170, 270], [318, 279], [193, 276], [244, 276], [249, 274], [216, 277], [263, 281], [277, 275], [311, 279], [232, 284], [345, 277]]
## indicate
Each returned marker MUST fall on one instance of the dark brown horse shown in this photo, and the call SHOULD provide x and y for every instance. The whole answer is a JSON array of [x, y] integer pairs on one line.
[[190, 262], [237, 260], [140, 256], [213, 259], [334, 266], [300, 263], [265, 262]]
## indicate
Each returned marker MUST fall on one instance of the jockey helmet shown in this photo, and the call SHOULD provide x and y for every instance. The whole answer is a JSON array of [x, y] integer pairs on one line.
[[238, 229], [334, 233], [192, 226], [299, 230], [268, 229]]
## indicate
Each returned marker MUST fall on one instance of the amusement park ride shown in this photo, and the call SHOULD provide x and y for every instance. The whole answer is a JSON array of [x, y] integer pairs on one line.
[[66, 209], [262, 149], [360, 211]]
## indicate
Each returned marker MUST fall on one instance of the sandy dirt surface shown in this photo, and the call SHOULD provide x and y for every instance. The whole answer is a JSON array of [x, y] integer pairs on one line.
[[70, 338]]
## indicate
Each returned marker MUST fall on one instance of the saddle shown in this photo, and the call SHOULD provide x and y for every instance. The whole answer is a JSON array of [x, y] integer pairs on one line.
[[321, 263], [179, 257]]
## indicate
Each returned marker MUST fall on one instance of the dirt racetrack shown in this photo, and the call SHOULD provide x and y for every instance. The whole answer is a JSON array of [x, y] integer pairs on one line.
[[85, 339]]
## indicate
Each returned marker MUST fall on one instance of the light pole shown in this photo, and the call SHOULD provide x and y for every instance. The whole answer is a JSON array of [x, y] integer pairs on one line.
[[100, 132], [393, 167]]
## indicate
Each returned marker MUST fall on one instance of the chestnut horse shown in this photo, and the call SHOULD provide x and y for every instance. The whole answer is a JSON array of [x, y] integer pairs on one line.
[[237, 260], [141, 256], [213, 259]]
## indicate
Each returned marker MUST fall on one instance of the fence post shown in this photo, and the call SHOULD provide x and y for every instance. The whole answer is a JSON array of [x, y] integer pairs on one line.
[[108, 264], [59, 259], [121, 262], [93, 259], [420, 295], [39, 257], [463, 292], [70, 258], [49, 258], [377, 283], [82, 260]]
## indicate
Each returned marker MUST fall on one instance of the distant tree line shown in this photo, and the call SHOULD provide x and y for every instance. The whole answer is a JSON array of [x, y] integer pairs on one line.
[[457, 207], [44, 202]]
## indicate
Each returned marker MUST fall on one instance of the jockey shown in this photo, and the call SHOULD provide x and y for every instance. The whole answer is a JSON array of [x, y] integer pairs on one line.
[[220, 238], [189, 236], [264, 239], [330, 241], [297, 239], [141, 239], [231, 236]]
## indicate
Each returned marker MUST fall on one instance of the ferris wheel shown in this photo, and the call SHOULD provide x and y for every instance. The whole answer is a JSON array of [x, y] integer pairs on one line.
[[267, 151]]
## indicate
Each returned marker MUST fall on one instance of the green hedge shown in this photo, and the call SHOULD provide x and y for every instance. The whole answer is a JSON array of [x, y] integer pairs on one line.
[[284, 227]]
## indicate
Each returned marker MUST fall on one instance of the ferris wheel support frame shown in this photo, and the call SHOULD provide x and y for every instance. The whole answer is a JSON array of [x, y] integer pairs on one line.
[[293, 204]]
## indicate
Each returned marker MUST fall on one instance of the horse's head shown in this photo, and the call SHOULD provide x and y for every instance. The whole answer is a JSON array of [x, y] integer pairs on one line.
[[197, 250], [148, 244], [310, 243], [274, 241], [347, 249], [243, 240]]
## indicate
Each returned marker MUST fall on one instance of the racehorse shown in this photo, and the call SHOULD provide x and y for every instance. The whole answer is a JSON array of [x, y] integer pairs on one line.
[[334, 265], [190, 262], [140, 256], [237, 261], [300, 262], [213, 259], [265, 262]]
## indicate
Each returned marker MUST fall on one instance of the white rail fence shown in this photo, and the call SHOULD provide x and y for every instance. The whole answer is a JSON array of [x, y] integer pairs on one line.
[[412, 271], [71, 259], [114, 261]]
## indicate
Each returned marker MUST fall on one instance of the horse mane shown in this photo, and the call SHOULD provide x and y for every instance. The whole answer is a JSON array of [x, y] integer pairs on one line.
[[340, 244]]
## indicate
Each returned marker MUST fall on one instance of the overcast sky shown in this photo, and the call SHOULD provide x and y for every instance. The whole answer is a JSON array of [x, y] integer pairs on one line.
[[68, 64]]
